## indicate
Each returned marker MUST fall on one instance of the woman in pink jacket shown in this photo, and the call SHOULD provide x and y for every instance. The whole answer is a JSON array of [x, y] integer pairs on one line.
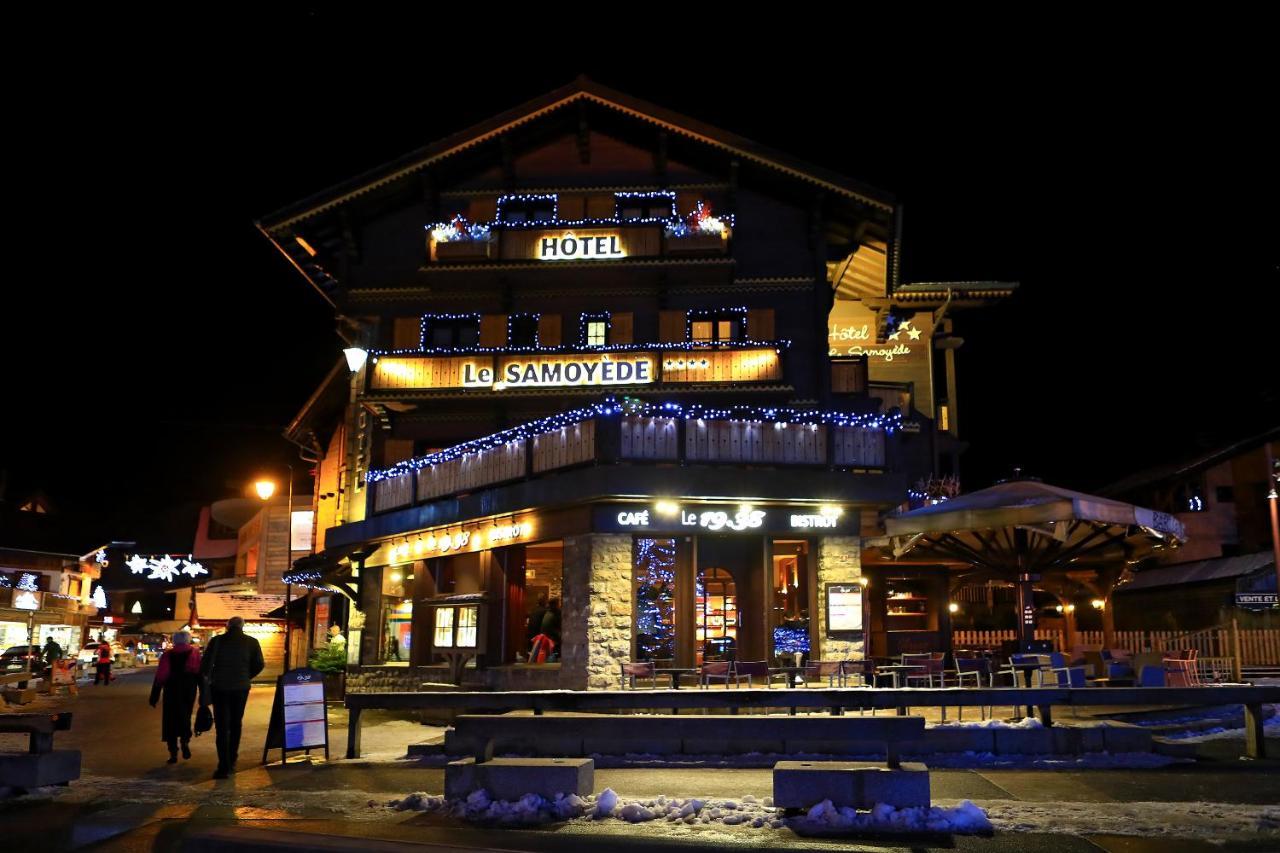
[[178, 677]]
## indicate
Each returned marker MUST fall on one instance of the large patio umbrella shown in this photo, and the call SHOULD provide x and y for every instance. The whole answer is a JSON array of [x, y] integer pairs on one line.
[[1023, 531]]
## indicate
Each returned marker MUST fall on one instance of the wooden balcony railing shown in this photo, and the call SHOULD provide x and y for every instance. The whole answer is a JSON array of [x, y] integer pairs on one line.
[[639, 438]]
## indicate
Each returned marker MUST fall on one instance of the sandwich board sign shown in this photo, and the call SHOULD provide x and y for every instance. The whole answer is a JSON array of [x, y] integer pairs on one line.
[[298, 719]]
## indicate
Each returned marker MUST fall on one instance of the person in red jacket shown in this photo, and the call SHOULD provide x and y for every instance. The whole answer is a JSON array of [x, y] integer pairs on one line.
[[178, 677], [105, 656]]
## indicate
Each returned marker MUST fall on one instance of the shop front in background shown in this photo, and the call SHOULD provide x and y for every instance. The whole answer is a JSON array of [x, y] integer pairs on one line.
[[728, 597], [907, 609]]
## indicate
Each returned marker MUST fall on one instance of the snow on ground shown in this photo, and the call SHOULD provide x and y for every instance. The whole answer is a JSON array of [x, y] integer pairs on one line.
[[1270, 728], [747, 812], [1024, 723], [672, 815]]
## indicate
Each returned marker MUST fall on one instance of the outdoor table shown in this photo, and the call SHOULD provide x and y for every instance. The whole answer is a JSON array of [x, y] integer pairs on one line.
[[675, 672], [791, 672], [894, 669], [1026, 669]]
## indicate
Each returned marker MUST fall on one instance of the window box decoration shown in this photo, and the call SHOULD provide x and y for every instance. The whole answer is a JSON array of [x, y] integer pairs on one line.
[[699, 233], [460, 240]]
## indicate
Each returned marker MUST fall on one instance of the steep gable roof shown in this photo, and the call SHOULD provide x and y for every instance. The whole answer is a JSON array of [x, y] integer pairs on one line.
[[580, 90]]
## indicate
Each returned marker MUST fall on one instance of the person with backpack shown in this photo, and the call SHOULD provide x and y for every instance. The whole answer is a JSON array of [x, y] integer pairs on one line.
[[104, 658]]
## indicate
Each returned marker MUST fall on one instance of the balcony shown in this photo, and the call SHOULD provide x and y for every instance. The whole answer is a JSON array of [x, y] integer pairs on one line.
[[657, 436]]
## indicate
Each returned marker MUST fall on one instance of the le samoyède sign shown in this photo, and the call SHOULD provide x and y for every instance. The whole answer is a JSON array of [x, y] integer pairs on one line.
[[624, 369]]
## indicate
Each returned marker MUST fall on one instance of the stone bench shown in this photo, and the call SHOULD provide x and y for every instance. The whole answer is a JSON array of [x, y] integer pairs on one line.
[[803, 784], [41, 764]]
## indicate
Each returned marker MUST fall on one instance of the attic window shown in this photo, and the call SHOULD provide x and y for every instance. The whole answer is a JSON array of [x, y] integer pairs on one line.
[[644, 205], [518, 209]]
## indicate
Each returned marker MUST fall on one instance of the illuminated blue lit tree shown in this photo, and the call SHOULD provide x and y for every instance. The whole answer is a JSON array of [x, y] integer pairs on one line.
[[655, 567]]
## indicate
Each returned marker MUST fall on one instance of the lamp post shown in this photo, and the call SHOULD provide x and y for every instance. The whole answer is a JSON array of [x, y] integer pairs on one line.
[[265, 489]]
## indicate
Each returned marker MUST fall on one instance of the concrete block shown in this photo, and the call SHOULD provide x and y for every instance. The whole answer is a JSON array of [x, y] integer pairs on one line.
[[416, 750], [1091, 738], [605, 745], [900, 787], [16, 696], [1121, 738], [1173, 748], [859, 785], [1024, 741], [34, 770], [512, 778], [801, 784]]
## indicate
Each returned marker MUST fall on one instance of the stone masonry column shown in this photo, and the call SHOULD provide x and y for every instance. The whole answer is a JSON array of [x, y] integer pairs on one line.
[[596, 618], [839, 561]]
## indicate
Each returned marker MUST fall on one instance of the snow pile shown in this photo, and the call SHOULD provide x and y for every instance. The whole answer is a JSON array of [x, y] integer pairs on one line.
[[1024, 723], [747, 811], [478, 807], [1270, 728], [964, 819]]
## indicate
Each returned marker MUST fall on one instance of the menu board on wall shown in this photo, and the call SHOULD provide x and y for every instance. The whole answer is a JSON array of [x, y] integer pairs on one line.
[[844, 607]]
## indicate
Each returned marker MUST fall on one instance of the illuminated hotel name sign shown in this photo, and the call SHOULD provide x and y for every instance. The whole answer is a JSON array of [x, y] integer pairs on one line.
[[541, 371], [568, 247]]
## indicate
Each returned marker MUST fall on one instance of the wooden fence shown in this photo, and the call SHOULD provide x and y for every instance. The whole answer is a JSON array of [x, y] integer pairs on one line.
[[1258, 646]]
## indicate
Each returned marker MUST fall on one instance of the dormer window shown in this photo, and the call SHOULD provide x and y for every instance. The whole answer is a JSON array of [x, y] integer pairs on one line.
[[520, 209], [644, 205]]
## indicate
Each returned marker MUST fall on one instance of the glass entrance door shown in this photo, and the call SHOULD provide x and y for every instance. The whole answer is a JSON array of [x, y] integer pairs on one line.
[[717, 615]]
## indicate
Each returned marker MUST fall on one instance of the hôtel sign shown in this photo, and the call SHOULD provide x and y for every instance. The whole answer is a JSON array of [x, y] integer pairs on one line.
[[572, 247]]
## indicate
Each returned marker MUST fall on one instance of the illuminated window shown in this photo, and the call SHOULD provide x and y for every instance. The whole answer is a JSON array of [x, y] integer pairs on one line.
[[717, 325], [595, 330], [467, 622], [444, 627]]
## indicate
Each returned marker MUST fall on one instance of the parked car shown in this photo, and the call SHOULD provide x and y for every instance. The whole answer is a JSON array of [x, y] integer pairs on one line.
[[14, 659]]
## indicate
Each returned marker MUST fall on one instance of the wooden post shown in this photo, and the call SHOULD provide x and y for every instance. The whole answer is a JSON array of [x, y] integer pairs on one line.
[[1255, 738], [353, 732], [1108, 624], [1236, 661]]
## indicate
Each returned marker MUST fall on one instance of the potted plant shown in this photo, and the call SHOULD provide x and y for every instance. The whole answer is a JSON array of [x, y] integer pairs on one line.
[[460, 240], [331, 659], [699, 233]]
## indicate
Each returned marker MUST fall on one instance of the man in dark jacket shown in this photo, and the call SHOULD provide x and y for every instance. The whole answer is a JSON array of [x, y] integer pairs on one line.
[[230, 663]]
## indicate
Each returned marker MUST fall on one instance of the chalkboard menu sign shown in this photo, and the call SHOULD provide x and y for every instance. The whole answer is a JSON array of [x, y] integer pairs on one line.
[[298, 719]]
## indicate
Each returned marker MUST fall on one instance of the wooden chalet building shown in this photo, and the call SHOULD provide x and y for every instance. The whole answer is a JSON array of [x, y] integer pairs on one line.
[[619, 359]]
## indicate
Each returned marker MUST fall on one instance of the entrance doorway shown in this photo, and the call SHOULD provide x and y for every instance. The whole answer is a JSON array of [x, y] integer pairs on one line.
[[716, 615]]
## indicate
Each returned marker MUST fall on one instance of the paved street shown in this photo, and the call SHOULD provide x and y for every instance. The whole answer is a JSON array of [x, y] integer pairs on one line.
[[130, 800]]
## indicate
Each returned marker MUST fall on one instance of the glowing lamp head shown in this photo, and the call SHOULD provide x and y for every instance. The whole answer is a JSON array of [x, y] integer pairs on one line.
[[1098, 604], [265, 489], [356, 357], [666, 507], [863, 580], [953, 607]]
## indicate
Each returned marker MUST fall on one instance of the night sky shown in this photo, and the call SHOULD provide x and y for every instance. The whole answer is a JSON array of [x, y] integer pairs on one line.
[[163, 344]]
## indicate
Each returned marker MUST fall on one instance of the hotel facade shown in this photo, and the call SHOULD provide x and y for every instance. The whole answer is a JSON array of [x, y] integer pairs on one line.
[[605, 355]]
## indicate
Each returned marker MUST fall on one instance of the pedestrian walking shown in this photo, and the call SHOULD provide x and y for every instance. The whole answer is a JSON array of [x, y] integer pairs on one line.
[[105, 656], [229, 665], [52, 652], [178, 679]]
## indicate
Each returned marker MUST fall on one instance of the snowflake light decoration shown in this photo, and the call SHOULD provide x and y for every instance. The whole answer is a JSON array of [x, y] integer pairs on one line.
[[192, 568], [165, 568], [137, 564], [99, 598], [27, 582]]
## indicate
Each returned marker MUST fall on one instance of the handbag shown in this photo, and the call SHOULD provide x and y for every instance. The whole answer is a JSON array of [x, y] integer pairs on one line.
[[204, 720]]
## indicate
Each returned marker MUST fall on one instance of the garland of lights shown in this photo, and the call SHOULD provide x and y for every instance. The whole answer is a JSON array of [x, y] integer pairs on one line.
[[537, 319], [699, 221], [611, 407], [584, 324], [655, 563], [713, 314]]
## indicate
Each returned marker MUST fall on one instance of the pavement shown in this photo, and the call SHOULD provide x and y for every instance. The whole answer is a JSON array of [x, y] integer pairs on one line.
[[130, 800]]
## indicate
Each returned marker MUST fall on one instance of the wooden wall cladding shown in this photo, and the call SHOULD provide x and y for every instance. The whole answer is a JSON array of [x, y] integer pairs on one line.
[[567, 446], [621, 327], [649, 438], [493, 330], [406, 333], [752, 365], [760, 324], [745, 441], [672, 327], [392, 372], [392, 493], [495, 465], [858, 447], [550, 333], [849, 377]]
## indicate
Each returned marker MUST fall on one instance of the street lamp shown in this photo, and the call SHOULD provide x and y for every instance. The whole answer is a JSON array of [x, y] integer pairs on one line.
[[265, 489]]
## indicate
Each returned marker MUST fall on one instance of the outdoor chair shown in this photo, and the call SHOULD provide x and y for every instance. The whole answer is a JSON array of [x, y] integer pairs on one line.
[[716, 671], [817, 670], [637, 670], [1182, 671], [753, 669], [863, 670], [934, 669], [1059, 674], [976, 671]]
